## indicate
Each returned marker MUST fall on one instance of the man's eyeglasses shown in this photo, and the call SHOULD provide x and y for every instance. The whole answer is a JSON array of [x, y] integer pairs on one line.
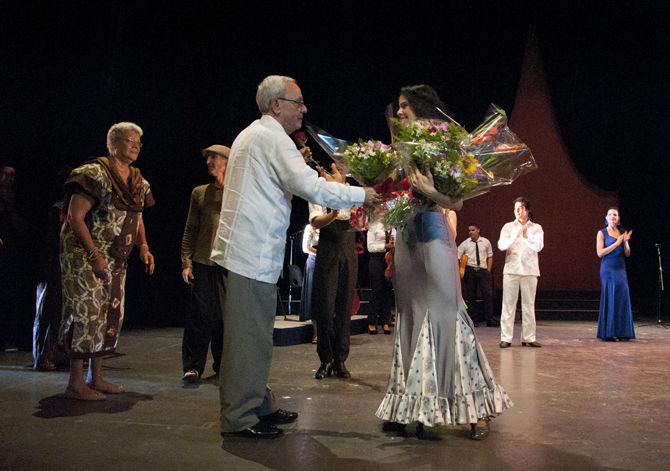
[[133, 142], [300, 103]]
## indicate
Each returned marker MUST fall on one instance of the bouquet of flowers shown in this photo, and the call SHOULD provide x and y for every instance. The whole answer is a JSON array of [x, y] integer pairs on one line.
[[499, 152], [437, 144], [371, 162], [464, 164]]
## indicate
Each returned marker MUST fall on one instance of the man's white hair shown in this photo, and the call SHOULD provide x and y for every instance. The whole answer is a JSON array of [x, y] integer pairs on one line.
[[273, 86]]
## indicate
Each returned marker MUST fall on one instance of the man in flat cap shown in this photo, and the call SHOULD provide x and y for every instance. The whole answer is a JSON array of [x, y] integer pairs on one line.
[[266, 170], [203, 317]]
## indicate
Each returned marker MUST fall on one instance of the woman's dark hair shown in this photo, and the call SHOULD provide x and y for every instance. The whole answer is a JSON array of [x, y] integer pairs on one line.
[[526, 204], [423, 100]]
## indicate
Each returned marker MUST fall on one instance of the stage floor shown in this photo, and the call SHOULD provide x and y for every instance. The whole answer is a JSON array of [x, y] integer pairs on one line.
[[580, 404]]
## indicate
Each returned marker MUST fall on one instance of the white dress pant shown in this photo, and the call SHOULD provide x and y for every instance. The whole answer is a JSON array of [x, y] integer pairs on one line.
[[511, 286]]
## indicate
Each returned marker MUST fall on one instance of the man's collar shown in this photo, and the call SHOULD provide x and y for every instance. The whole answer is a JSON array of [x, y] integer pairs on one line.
[[271, 121]]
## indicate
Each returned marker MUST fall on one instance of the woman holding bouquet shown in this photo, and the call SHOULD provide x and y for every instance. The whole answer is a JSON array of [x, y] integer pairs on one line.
[[439, 373]]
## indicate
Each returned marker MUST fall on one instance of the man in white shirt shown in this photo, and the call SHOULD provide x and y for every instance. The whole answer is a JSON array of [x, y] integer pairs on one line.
[[265, 170], [523, 240], [478, 275]]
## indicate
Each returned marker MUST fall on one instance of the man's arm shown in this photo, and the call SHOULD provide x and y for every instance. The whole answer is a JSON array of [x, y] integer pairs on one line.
[[189, 239], [322, 221], [535, 239], [505, 240]]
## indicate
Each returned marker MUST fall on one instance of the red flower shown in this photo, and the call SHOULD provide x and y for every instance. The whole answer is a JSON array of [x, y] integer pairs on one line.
[[300, 138]]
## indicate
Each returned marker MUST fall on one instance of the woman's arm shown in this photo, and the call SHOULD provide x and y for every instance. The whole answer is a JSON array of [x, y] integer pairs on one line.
[[451, 219], [145, 255], [626, 246], [77, 210], [601, 250]]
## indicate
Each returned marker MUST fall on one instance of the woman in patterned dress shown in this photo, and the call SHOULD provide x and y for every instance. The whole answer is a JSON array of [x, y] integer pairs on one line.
[[439, 373], [106, 197]]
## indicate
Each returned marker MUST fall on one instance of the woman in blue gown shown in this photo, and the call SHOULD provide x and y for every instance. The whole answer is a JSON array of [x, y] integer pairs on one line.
[[615, 322]]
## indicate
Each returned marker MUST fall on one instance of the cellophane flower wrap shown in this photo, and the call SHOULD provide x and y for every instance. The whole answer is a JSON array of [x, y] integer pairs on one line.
[[370, 163], [463, 165]]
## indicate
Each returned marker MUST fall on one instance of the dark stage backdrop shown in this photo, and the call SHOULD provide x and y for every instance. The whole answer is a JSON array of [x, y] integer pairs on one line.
[[188, 75]]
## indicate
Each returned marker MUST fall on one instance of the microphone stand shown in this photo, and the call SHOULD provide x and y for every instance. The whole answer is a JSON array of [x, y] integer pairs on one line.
[[661, 288]]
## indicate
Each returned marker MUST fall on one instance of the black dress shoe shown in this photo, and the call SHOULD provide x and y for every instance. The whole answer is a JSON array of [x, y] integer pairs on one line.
[[279, 417], [387, 332], [531, 344], [393, 427], [419, 430], [505, 344], [324, 370], [481, 432], [372, 332], [493, 324], [341, 371], [260, 430]]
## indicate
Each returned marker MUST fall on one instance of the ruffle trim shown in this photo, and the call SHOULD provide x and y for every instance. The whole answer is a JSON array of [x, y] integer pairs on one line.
[[433, 411]]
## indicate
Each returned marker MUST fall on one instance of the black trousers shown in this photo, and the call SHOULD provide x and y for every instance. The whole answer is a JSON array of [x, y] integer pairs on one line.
[[479, 280], [204, 324], [335, 276], [379, 310]]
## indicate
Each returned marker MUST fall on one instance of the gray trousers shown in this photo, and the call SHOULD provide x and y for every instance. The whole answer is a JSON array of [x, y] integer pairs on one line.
[[248, 310]]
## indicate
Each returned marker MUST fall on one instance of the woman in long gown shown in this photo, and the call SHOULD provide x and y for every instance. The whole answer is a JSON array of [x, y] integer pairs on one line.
[[439, 373], [616, 317], [106, 198]]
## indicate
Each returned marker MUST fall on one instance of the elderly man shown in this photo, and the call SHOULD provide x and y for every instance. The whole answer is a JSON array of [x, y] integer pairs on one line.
[[203, 317], [477, 276], [265, 171], [522, 239]]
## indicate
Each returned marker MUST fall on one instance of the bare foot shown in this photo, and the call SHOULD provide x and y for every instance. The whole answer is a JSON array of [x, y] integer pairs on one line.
[[83, 392], [99, 384]]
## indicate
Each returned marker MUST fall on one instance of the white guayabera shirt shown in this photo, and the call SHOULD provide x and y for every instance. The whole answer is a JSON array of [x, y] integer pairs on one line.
[[521, 258], [264, 171]]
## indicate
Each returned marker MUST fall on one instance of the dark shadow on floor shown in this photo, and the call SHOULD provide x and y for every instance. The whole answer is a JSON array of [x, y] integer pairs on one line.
[[301, 450], [60, 406]]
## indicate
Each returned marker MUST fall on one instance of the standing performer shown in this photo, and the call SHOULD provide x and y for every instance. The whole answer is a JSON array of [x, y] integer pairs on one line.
[[335, 276], [439, 373], [478, 275], [522, 239], [379, 241], [615, 321], [265, 171], [310, 241], [203, 318], [106, 197]]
